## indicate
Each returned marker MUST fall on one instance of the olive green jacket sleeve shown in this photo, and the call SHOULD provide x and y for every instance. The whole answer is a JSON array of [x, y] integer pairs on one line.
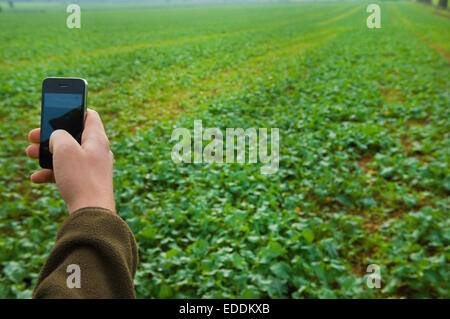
[[95, 250]]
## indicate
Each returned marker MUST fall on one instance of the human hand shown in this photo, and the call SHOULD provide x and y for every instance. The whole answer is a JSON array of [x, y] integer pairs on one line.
[[83, 173]]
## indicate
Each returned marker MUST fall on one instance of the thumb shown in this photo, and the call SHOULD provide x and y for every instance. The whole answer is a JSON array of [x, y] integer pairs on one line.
[[61, 139]]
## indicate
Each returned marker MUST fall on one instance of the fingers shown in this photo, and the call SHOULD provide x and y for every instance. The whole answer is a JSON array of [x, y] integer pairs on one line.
[[94, 132], [62, 141], [33, 151], [43, 176], [35, 135]]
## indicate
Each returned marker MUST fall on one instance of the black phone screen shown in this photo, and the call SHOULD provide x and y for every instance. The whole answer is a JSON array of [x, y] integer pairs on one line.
[[60, 111]]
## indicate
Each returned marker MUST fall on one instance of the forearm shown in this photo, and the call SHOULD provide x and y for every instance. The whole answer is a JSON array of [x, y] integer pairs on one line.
[[101, 244]]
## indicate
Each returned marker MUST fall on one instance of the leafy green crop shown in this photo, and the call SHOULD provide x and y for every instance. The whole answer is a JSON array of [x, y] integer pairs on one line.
[[364, 145]]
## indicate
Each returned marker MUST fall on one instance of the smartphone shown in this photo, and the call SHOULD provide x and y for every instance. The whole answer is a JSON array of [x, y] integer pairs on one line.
[[63, 107]]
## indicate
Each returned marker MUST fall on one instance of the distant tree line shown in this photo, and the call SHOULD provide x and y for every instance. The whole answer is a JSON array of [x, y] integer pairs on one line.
[[442, 3]]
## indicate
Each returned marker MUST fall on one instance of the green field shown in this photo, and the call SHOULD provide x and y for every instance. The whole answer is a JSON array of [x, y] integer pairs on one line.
[[363, 114]]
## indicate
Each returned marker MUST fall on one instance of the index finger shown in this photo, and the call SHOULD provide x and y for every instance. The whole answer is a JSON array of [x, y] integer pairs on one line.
[[35, 135]]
